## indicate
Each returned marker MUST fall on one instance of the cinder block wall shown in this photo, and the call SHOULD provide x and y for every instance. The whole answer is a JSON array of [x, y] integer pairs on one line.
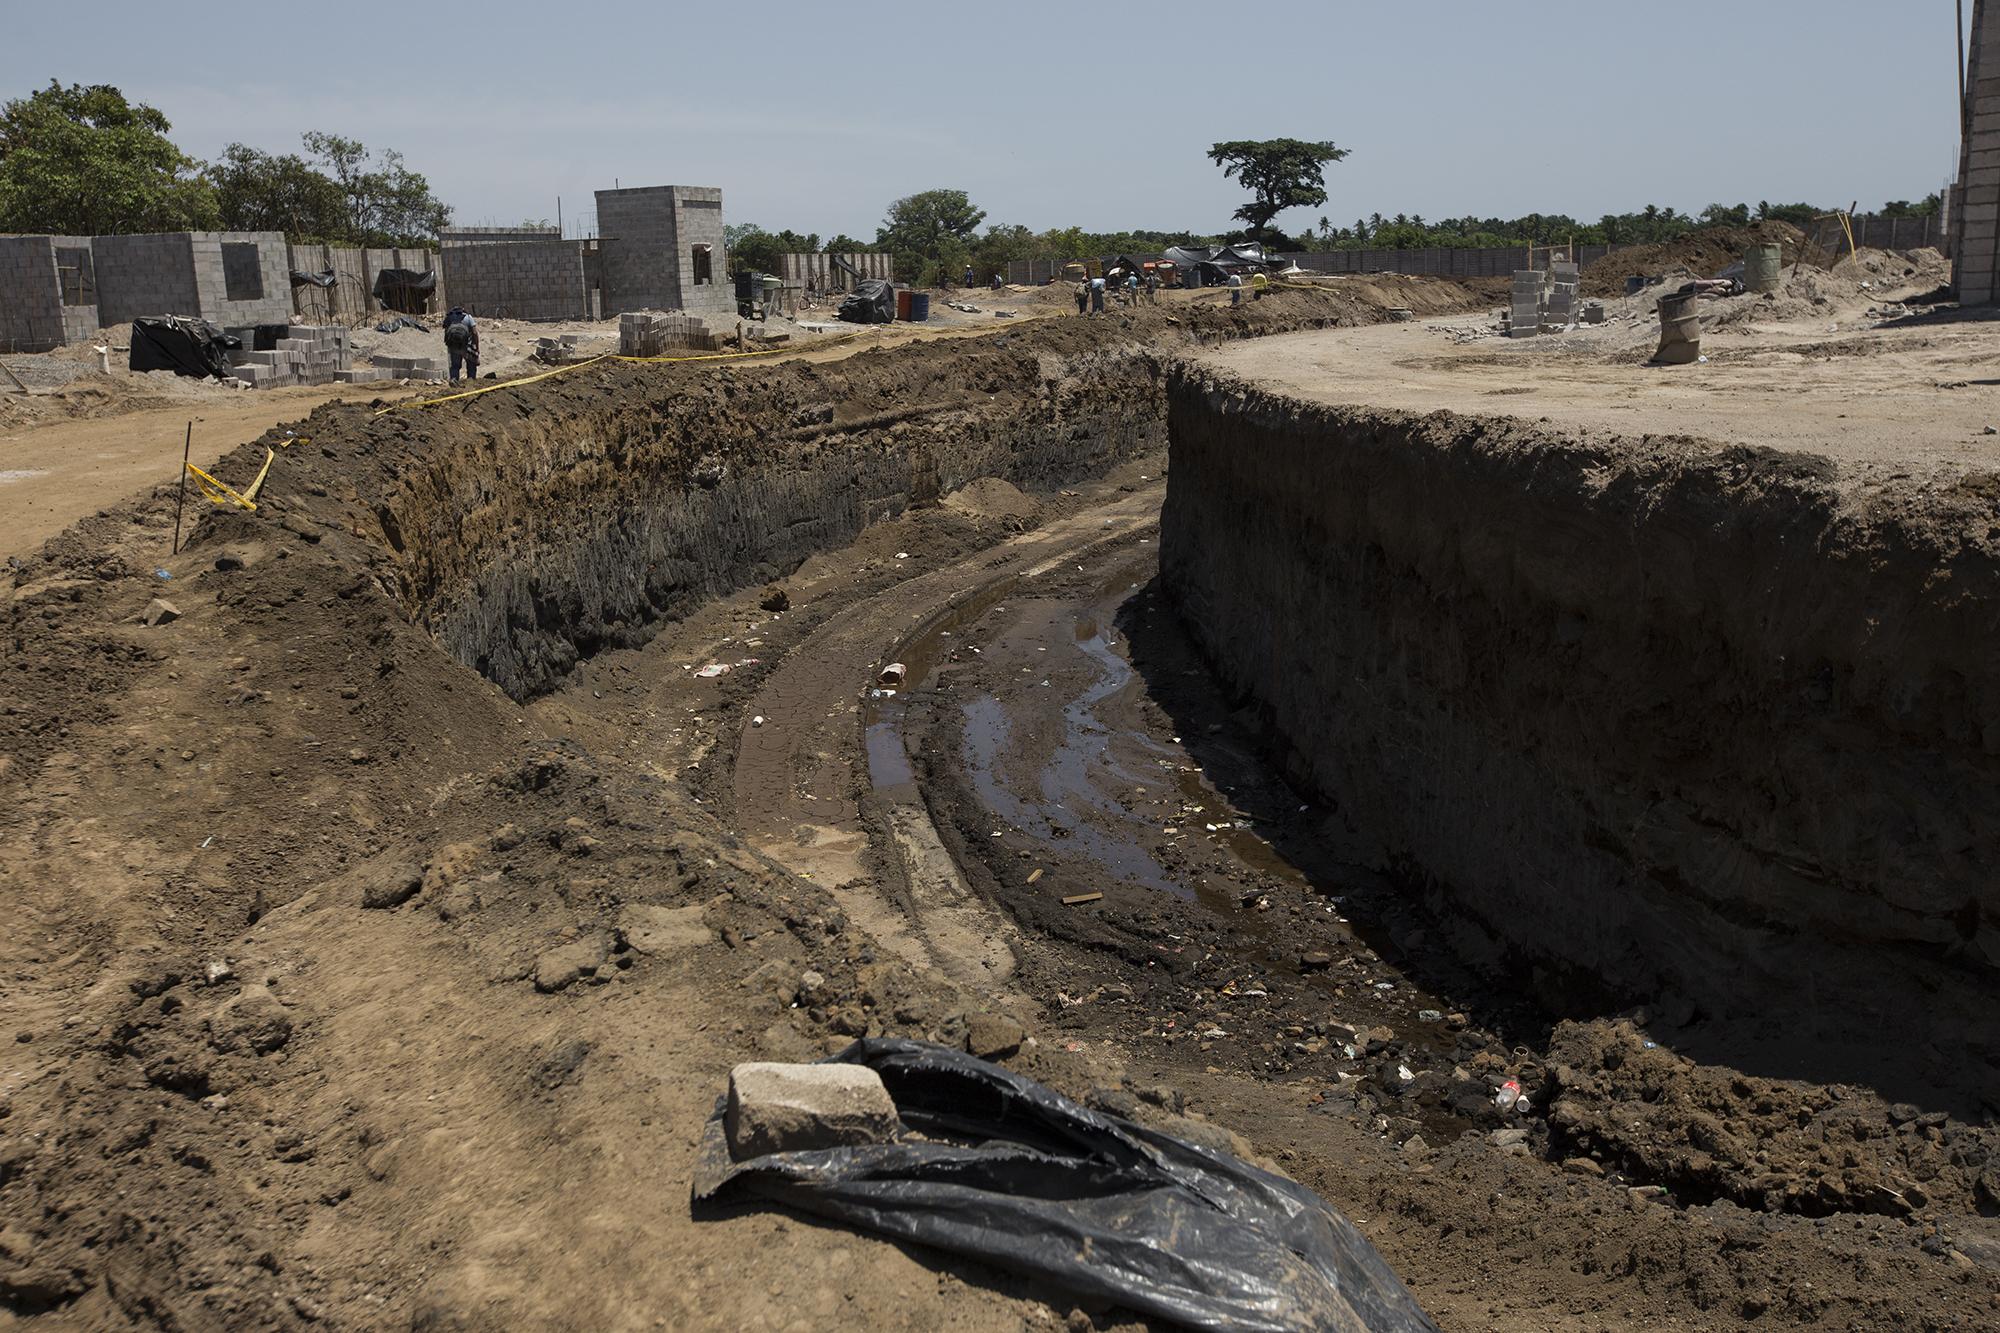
[[698, 221], [273, 302], [80, 321], [646, 237], [518, 280], [145, 275], [31, 313], [1976, 201], [452, 236]]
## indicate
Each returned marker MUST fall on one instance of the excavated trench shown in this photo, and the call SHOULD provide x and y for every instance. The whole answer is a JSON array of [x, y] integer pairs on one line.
[[1709, 729], [1670, 726]]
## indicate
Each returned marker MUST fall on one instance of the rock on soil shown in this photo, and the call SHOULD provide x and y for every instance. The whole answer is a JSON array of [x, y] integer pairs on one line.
[[663, 930], [989, 1036], [799, 1108], [393, 887], [570, 963]]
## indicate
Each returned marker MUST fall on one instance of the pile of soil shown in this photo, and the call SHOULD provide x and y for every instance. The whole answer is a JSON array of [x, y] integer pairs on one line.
[[1707, 252]]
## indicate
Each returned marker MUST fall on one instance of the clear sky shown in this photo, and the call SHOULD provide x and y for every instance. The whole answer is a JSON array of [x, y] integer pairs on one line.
[[1095, 114]]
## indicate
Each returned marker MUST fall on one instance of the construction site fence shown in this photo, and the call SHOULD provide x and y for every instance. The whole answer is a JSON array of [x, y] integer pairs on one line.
[[818, 272], [1873, 231], [351, 299]]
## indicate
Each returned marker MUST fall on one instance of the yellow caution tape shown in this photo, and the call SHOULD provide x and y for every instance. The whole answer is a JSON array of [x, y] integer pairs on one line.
[[250, 492], [219, 492]]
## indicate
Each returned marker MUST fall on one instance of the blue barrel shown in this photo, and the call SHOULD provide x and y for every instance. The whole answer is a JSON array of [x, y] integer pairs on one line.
[[920, 306]]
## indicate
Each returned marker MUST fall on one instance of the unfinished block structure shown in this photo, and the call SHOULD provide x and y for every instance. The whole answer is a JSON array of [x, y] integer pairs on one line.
[[225, 277], [662, 249], [48, 292], [528, 275], [1976, 201]]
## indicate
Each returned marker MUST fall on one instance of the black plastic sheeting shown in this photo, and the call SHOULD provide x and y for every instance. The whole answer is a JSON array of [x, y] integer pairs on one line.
[[405, 289], [324, 278], [192, 347], [873, 302], [1020, 1177]]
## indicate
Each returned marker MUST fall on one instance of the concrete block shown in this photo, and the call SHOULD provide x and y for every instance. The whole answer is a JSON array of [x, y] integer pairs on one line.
[[799, 1108]]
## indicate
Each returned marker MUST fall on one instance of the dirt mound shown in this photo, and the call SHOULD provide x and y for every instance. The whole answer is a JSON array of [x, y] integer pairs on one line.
[[1773, 1146], [1707, 252], [992, 498]]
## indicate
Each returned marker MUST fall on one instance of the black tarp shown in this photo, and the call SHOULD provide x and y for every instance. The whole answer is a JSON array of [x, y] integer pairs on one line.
[[1019, 1177], [405, 289], [873, 302], [324, 278], [192, 347]]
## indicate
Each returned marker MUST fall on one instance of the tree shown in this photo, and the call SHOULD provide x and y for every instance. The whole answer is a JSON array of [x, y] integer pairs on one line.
[[753, 249], [930, 233], [386, 204], [259, 192], [844, 244], [84, 161], [1279, 173]]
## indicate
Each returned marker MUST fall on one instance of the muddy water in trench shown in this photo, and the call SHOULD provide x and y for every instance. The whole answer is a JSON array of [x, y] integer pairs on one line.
[[1069, 775]]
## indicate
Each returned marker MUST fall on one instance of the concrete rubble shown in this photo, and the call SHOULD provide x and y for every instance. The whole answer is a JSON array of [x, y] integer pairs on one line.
[[799, 1108]]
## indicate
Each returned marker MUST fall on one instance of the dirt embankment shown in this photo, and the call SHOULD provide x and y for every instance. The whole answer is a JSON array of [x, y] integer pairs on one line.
[[1705, 252], [1659, 721], [345, 992], [530, 530]]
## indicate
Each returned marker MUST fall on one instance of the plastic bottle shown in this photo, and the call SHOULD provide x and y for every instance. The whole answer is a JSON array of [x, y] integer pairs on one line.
[[1509, 1094]]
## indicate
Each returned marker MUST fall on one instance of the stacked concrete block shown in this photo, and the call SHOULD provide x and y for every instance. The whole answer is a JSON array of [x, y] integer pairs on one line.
[[657, 333], [307, 354], [1975, 203], [1560, 308], [1524, 314], [410, 367]]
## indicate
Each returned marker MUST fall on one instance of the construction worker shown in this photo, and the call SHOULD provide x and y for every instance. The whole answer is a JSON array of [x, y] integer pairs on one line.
[[1236, 289], [1132, 289], [461, 342], [970, 277], [1152, 286], [1082, 298], [1097, 296]]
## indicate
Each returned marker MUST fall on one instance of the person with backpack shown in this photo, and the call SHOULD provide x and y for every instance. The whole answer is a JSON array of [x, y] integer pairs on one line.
[[461, 343]]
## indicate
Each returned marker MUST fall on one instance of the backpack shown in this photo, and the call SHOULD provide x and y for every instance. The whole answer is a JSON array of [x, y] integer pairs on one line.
[[458, 335]]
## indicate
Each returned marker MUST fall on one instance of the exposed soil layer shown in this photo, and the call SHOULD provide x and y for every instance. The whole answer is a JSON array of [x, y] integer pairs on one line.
[[1069, 740], [1703, 727], [346, 991], [1705, 252]]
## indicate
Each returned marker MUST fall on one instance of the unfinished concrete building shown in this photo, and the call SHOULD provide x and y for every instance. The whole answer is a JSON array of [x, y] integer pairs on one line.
[[520, 272], [58, 289], [1976, 201], [48, 292], [662, 249]]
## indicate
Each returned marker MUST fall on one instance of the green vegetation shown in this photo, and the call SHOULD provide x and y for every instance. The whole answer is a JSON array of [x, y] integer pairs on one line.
[[84, 162], [1279, 173], [87, 162]]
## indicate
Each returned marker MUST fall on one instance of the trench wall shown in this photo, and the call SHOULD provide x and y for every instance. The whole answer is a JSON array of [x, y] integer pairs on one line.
[[1670, 718], [530, 540]]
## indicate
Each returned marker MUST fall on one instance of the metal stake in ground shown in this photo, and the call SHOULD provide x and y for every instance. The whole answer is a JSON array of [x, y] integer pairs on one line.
[[181, 499]]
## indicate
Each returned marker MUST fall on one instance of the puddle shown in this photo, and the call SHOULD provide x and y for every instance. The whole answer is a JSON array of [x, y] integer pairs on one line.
[[882, 718]]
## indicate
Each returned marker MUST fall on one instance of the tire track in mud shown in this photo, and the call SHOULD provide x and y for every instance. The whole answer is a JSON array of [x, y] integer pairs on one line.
[[803, 794]]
